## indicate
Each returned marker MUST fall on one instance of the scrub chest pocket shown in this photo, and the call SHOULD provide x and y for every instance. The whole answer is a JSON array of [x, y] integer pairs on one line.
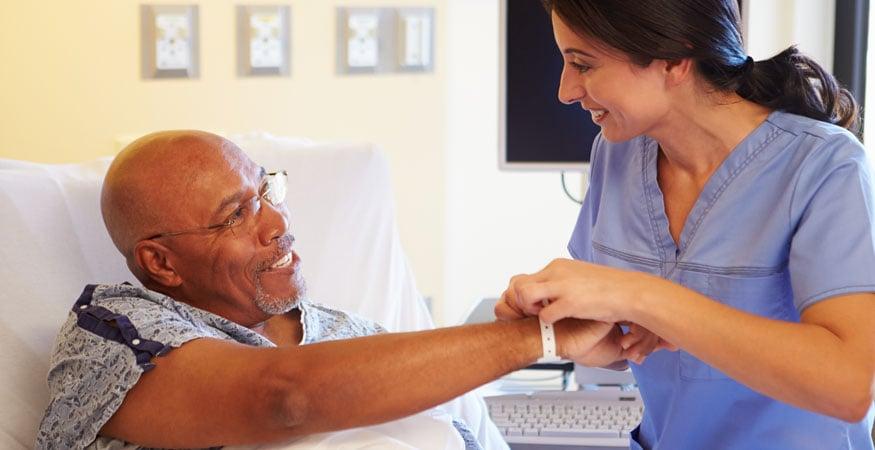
[[761, 291], [764, 291]]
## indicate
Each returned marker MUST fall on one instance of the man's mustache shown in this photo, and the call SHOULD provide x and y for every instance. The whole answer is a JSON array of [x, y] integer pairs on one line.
[[283, 245]]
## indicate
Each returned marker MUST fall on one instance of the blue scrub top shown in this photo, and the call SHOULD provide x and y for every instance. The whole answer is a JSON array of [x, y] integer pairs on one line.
[[786, 221]]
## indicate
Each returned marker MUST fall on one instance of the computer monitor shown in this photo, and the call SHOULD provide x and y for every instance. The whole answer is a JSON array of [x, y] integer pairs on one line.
[[536, 131]]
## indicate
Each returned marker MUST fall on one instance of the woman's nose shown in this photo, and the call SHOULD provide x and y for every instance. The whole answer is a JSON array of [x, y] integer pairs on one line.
[[570, 90]]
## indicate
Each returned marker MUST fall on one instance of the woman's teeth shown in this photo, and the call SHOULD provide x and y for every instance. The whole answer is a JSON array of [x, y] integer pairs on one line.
[[283, 262], [598, 114]]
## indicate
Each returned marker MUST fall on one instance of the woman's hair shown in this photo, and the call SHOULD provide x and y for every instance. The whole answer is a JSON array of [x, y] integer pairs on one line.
[[708, 32]]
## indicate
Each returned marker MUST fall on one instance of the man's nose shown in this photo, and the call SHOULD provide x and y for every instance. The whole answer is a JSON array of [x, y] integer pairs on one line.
[[274, 222]]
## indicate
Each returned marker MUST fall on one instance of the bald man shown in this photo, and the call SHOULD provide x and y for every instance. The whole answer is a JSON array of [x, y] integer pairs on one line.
[[208, 351]]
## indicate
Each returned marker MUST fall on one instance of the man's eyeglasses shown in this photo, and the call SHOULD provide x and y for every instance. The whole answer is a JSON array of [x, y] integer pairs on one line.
[[273, 190]]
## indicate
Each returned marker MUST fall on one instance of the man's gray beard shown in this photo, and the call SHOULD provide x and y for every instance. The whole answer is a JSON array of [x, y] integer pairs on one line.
[[278, 305]]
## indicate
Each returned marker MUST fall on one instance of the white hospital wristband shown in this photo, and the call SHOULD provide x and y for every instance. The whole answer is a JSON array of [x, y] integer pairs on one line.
[[548, 343]]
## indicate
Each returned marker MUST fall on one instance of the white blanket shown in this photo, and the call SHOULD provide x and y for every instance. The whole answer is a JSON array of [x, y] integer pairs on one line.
[[432, 430], [429, 430]]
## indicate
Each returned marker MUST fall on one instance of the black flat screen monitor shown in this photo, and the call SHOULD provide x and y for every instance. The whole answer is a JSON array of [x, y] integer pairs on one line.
[[537, 131]]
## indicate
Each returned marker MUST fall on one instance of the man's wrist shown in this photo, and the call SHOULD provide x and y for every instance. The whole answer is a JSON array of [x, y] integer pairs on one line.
[[530, 337], [549, 351], [560, 331]]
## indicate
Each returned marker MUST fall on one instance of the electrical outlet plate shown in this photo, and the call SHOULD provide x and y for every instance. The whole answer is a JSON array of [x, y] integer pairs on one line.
[[415, 27], [364, 40], [263, 40], [169, 41]]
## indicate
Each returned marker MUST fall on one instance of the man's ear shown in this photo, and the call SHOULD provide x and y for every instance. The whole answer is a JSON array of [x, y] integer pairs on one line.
[[678, 71], [152, 259]]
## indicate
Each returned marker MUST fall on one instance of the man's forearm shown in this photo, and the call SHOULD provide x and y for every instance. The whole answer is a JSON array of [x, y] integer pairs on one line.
[[389, 376], [212, 392]]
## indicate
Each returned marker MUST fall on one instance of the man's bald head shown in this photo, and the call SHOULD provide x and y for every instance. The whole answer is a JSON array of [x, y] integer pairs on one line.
[[187, 211], [144, 192]]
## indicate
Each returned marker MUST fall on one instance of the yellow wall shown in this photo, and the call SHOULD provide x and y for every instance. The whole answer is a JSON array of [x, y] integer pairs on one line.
[[70, 85]]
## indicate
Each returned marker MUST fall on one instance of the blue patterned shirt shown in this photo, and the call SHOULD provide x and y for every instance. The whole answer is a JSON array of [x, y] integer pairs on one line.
[[111, 336]]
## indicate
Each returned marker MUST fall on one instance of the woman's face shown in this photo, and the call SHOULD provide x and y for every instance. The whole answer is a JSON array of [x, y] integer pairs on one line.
[[625, 100]]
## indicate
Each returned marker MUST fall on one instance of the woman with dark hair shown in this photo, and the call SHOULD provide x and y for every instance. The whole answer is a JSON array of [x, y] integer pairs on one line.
[[730, 213]]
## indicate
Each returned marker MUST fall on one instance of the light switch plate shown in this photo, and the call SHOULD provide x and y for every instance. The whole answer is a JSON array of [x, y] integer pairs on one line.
[[263, 40], [364, 40], [415, 39], [169, 41]]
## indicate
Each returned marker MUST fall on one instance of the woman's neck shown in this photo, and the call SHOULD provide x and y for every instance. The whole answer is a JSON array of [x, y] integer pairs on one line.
[[701, 132]]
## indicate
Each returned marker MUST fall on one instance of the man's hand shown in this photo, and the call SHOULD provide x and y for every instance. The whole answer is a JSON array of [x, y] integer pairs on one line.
[[600, 344], [588, 342]]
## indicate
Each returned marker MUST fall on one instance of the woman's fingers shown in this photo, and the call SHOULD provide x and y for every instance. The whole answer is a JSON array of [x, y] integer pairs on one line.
[[638, 343], [506, 311], [642, 349], [567, 284], [509, 307], [629, 339], [556, 311], [665, 345], [531, 295]]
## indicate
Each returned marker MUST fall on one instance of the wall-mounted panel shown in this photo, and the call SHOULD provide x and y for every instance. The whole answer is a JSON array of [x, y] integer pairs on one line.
[[169, 41], [263, 40]]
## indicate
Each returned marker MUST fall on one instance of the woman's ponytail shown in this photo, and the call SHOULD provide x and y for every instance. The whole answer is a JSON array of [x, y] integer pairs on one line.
[[793, 82]]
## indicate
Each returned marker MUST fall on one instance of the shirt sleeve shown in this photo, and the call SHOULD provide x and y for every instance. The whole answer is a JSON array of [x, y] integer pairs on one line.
[[832, 251], [96, 361]]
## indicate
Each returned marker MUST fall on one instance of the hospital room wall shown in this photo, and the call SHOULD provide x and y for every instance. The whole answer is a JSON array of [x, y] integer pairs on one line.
[[503, 223], [70, 86]]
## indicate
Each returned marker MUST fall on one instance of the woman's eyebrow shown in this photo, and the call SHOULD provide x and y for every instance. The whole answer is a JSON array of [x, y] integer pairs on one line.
[[571, 50]]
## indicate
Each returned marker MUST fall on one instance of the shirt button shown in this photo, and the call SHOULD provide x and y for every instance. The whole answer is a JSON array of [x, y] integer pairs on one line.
[[83, 307], [135, 342]]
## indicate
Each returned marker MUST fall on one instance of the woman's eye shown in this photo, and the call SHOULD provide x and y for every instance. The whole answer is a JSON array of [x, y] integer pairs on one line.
[[581, 68]]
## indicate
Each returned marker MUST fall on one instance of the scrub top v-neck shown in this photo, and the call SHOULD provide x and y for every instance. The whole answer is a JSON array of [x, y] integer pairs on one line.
[[787, 220]]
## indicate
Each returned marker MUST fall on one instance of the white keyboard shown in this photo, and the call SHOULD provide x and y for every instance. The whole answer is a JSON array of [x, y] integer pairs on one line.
[[579, 418]]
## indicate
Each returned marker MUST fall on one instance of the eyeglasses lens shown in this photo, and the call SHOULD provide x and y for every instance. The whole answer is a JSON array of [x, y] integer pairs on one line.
[[277, 188]]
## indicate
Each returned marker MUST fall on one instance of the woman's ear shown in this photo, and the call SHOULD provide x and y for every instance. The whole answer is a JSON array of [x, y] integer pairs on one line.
[[152, 259], [678, 71]]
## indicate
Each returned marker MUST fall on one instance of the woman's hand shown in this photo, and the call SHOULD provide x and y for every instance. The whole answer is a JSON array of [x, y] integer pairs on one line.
[[640, 342], [635, 345], [506, 308], [575, 289]]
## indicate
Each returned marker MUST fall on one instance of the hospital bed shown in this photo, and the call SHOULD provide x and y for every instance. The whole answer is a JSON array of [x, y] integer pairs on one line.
[[53, 242]]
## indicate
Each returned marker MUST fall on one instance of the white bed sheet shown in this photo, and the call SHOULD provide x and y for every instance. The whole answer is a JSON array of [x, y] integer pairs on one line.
[[429, 430]]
